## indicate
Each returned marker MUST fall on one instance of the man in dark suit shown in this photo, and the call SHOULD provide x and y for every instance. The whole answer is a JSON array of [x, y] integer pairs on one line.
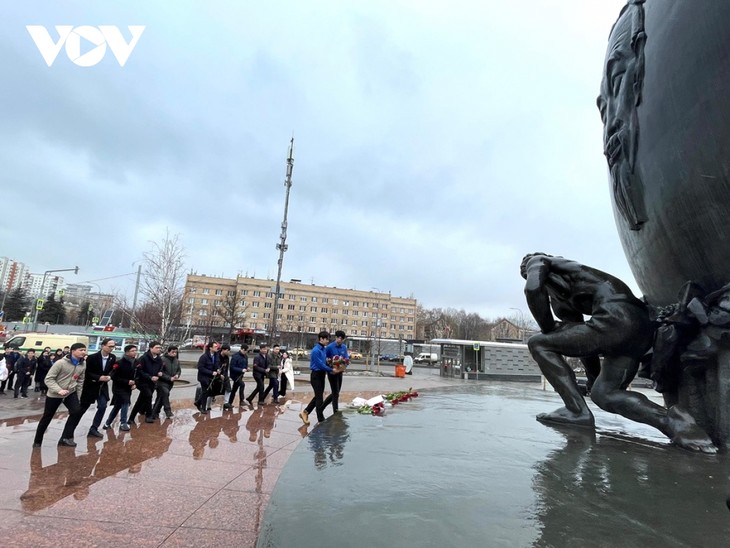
[[95, 389]]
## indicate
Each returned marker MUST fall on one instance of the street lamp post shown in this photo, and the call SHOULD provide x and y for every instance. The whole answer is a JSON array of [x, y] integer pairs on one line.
[[43, 283]]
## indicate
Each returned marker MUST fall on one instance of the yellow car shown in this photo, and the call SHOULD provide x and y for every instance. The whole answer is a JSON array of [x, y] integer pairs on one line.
[[355, 355]]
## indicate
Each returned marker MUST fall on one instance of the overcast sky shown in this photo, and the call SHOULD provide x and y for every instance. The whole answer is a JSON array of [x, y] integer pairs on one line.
[[435, 142]]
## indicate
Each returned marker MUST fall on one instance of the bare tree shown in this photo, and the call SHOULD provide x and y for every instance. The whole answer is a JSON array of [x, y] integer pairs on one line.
[[232, 311], [163, 280]]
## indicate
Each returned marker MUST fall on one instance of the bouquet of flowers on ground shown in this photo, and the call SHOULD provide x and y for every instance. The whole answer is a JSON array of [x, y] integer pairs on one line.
[[376, 406], [339, 362], [399, 397]]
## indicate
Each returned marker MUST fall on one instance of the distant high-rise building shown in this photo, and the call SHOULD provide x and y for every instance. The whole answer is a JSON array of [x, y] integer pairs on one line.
[[37, 287], [12, 273]]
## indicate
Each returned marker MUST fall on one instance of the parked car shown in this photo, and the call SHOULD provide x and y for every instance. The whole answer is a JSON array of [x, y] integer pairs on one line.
[[388, 357], [355, 355], [299, 353]]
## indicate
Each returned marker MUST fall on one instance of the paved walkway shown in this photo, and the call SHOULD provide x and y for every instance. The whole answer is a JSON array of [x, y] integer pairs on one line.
[[201, 480]]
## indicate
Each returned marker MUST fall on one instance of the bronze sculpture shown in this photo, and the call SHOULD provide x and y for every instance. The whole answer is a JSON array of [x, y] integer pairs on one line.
[[619, 330]]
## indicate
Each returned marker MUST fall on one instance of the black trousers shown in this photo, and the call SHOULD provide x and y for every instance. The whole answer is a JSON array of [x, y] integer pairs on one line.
[[335, 386], [101, 404], [237, 385], [317, 378], [51, 406], [273, 385], [202, 400], [259, 389], [282, 385], [163, 399], [21, 384], [143, 404]]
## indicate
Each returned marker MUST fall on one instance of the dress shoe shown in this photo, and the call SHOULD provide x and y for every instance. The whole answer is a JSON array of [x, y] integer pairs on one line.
[[150, 419], [169, 415], [124, 426], [95, 432], [227, 406], [106, 426], [305, 417], [203, 411], [67, 442]]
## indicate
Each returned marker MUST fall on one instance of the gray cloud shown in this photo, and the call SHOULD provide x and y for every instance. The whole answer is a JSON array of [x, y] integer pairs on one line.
[[435, 143]]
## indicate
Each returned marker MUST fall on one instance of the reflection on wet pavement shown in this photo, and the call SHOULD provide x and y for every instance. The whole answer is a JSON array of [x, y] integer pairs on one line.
[[461, 466], [190, 480], [474, 468]]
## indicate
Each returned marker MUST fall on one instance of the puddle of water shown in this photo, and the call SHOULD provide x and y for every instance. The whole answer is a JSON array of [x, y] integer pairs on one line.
[[475, 468]]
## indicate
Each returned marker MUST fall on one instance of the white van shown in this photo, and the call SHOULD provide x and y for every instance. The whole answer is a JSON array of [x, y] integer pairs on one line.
[[38, 341], [426, 357]]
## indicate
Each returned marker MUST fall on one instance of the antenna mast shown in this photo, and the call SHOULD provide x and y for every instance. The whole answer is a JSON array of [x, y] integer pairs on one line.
[[281, 246]]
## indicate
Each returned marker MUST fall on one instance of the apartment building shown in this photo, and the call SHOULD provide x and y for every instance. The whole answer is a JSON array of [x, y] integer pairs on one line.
[[248, 304], [12, 273], [39, 285]]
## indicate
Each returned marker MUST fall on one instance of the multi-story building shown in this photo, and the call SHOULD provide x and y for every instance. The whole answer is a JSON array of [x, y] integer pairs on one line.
[[12, 273], [218, 305], [37, 286]]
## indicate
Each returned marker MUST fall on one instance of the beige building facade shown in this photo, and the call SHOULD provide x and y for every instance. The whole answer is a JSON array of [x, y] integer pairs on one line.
[[246, 305]]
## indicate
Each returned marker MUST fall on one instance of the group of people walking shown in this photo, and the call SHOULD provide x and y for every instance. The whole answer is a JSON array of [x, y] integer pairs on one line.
[[78, 381], [18, 371], [71, 378], [219, 373]]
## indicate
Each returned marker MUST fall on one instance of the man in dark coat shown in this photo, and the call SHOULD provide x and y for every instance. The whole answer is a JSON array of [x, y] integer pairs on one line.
[[148, 373], [239, 365], [24, 369], [123, 375], [170, 373], [95, 389], [208, 368], [260, 370]]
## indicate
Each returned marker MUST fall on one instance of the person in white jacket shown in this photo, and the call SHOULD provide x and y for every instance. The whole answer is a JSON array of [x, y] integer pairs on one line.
[[287, 374]]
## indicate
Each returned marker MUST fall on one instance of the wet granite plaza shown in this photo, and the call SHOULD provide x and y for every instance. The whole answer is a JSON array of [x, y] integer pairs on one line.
[[464, 464]]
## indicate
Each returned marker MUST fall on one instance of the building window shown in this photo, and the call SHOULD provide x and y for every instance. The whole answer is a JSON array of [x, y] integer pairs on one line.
[[311, 329], [269, 295], [290, 317], [191, 300], [313, 319], [202, 313], [355, 303], [375, 305], [313, 309], [324, 310], [364, 323], [279, 306], [354, 312], [314, 299], [231, 293], [290, 307], [255, 304], [219, 292], [334, 301], [243, 303], [267, 305], [244, 292], [206, 291], [203, 301], [346, 303], [267, 315], [257, 293], [217, 303], [302, 308], [254, 315], [344, 322], [193, 290], [325, 300], [365, 314], [303, 299]]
